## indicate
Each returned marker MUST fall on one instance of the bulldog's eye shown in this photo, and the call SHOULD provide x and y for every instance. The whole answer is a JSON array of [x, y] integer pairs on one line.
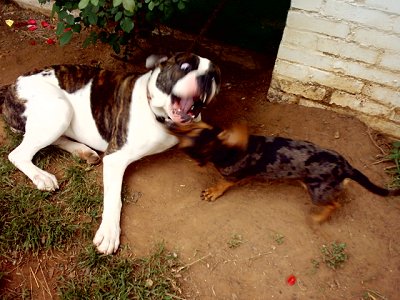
[[186, 67]]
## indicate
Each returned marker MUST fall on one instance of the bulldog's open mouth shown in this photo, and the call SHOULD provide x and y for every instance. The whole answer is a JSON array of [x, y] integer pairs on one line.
[[184, 110]]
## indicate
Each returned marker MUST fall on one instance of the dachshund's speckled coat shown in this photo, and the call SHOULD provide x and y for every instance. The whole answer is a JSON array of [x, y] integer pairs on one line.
[[238, 155]]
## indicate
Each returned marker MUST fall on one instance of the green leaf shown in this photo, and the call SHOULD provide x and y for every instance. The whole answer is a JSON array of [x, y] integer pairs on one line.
[[151, 5], [60, 28], [181, 5], [116, 48], [95, 2], [129, 5], [118, 16], [55, 10], [127, 24], [92, 19], [128, 13], [82, 4], [65, 38], [62, 14], [76, 28], [91, 39], [70, 20], [117, 3]]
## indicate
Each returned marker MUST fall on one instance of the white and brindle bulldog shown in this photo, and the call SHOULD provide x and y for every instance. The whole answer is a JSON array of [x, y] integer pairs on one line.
[[80, 108]]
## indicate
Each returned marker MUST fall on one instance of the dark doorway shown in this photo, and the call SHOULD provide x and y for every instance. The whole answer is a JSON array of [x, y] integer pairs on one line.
[[257, 25]]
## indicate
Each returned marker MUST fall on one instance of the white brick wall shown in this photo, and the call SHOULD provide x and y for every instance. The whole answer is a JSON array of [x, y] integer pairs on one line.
[[342, 55]]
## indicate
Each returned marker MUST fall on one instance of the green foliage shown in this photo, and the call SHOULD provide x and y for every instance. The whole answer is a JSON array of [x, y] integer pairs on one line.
[[115, 22], [334, 255], [395, 171]]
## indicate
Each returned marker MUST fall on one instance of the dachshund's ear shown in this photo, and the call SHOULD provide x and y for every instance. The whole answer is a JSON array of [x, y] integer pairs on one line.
[[236, 136], [154, 60], [187, 134]]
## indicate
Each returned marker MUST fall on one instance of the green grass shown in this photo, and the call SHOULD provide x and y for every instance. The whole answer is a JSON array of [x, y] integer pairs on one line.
[[37, 223], [33, 220], [395, 170], [118, 277]]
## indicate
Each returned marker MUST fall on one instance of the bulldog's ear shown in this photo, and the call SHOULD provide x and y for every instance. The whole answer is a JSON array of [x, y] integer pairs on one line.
[[154, 60], [237, 136]]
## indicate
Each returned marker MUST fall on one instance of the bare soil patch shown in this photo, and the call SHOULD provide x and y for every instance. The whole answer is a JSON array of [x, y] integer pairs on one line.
[[267, 222]]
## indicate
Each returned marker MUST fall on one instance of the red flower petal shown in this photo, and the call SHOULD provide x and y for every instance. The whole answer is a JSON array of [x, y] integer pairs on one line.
[[291, 280], [32, 27], [50, 41], [32, 22], [45, 24]]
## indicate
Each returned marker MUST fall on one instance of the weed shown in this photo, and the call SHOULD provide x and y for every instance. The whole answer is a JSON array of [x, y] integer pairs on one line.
[[334, 256], [235, 241], [279, 238], [315, 263], [395, 170]]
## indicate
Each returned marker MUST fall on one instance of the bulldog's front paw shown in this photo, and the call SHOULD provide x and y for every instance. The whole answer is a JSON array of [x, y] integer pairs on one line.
[[45, 181], [107, 238]]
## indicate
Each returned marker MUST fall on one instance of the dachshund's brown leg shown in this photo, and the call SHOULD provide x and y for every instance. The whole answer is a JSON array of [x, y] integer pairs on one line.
[[212, 193], [326, 212]]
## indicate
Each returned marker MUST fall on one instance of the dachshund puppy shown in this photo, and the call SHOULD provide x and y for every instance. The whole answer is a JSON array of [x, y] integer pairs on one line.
[[238, 156]]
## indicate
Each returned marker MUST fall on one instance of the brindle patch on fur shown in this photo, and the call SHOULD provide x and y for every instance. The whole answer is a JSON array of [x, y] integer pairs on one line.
[[110, 98], [110, 103], [13, 107], [74, 77]]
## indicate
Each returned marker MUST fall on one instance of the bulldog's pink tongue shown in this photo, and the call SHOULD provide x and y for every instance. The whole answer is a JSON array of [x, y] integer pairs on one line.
[[180, 110], [186, 104]]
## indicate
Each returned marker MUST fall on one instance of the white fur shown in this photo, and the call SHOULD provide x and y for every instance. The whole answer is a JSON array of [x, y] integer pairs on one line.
[[54, 116], [53, 113], [140, 143]]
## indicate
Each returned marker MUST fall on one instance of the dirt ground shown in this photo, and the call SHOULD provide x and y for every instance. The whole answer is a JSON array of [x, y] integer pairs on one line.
[[246, 244]]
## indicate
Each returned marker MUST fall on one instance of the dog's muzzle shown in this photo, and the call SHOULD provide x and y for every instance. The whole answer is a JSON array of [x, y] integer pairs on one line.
[[185, 109]]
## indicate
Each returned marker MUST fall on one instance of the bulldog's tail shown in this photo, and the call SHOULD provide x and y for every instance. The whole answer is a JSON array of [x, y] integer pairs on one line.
[[364, 181]]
